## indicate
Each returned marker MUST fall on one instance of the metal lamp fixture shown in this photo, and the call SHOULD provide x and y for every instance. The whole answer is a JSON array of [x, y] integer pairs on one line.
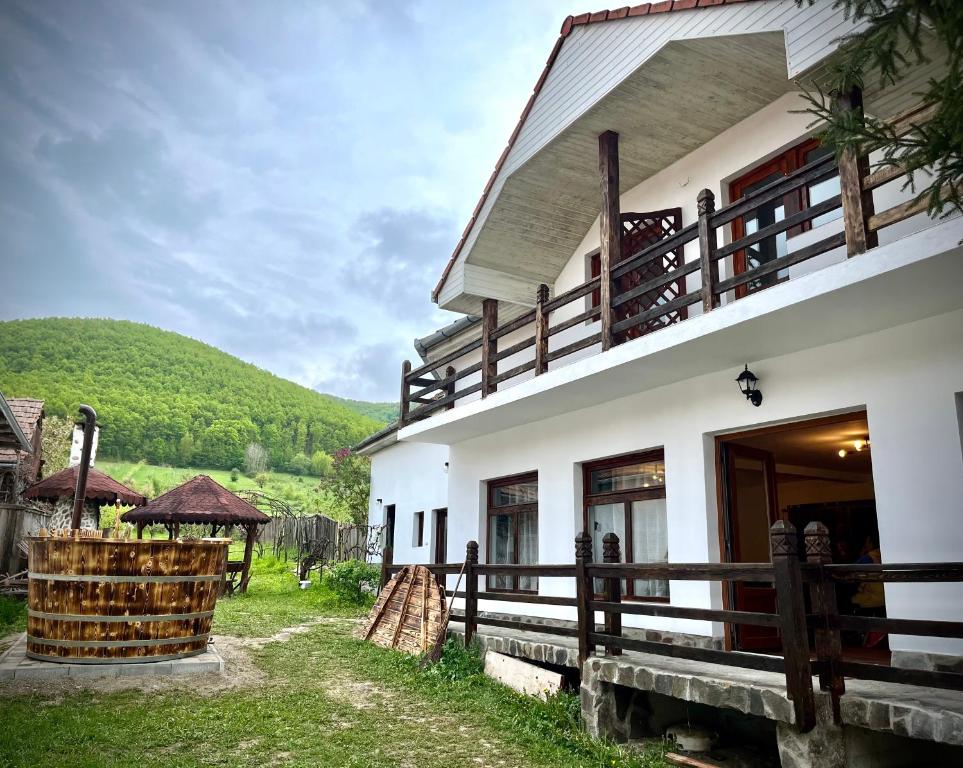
[[748, 384]]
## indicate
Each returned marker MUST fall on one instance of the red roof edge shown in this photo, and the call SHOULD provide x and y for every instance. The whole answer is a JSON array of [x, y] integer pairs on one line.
[[583, 19]]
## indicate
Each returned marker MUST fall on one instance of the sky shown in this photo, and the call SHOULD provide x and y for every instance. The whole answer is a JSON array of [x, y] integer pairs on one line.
[[284, 180]]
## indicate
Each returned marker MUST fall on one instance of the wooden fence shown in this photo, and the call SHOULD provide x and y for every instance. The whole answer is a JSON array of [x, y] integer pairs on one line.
[[801, 656], [646, 288]]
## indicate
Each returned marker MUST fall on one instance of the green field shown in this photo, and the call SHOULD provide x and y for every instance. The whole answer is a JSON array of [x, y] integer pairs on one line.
[[300, 491]]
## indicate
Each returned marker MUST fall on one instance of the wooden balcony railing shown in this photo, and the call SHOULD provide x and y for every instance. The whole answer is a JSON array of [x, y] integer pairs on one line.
[[809, 636], [434, 386]]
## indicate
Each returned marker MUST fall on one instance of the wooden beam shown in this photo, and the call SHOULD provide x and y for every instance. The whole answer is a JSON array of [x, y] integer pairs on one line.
[[404, 404], [450, 386], [541, 330], [251, 530], [610, 227], [853, 168], [489, 346], [707, 250]]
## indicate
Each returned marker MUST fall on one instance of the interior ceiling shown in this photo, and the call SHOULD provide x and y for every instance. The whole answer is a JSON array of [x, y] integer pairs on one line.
[[817, 447], [685, 95]]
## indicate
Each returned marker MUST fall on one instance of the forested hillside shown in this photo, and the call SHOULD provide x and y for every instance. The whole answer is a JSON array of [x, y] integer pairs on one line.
[[168, 399]]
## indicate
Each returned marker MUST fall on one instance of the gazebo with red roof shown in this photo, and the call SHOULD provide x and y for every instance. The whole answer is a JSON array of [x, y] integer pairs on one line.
[[202, 501], [101, 489]]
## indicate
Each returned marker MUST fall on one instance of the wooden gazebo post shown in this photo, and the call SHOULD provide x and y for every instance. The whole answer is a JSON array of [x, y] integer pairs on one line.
[[251, 529]]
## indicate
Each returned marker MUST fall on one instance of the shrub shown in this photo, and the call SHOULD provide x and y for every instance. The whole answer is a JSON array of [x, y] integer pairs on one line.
[[234, 474], [261, 478], [458, 662], [352, 578]]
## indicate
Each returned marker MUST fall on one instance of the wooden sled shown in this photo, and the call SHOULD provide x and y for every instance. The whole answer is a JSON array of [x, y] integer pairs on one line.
[[409, 612]]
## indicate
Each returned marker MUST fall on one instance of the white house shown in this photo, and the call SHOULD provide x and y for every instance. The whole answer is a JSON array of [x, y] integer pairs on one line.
[[606, 400]]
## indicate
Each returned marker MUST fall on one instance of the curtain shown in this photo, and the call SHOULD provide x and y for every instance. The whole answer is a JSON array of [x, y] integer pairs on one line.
[[501, 548], [603, 519], [650, 544], [528, 547]]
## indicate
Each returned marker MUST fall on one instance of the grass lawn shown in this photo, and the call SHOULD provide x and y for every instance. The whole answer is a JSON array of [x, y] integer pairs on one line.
[[317, 697]]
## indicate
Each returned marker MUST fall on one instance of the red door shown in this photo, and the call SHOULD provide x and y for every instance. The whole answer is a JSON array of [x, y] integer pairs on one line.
[[751, 509]]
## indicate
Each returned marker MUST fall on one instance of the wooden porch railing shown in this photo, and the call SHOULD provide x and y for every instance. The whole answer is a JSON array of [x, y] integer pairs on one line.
[[810, 638], [434, 386]]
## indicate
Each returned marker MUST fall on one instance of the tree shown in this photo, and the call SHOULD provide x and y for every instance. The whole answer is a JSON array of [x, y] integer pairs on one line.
[[350, 483], [55, 437], [255, 459], [898, 35], [185, 449], [300, 464], [321, 464]]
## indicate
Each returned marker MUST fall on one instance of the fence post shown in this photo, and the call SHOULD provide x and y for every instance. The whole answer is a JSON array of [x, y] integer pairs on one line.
[[583, 594], [791, 608], [471, 591], [853, 167], [450, 386], [387, 557], [707, 250], [489, 346], [610, 227], [541, 330], [822, 594], [404, 405], [611, 553]]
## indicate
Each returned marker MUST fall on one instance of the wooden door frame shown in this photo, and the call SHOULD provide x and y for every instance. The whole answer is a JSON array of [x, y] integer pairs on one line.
[[721, 501], [440, 534]]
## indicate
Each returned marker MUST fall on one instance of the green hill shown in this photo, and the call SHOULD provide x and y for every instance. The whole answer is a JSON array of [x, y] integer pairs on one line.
[[383, 412], [168, 399]]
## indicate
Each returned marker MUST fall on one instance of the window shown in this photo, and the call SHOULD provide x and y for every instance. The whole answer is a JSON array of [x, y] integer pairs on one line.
[[513, 530], [770, 248], [419, 529], [626, 496], [390, 526]]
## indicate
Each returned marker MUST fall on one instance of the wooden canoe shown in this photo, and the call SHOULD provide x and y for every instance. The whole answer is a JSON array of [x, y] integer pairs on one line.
[[409, 612]]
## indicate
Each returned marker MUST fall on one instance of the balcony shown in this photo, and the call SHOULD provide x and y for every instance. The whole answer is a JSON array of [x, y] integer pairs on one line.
[[669, 317]]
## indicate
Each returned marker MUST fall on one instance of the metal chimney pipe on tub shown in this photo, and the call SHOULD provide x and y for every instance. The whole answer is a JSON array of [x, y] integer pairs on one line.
[[80, 493]]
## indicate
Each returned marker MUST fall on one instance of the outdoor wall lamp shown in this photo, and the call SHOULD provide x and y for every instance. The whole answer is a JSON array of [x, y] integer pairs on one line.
[[747, 382]]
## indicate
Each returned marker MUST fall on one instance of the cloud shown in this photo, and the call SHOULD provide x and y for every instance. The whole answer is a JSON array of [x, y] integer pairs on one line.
[[285, 183]]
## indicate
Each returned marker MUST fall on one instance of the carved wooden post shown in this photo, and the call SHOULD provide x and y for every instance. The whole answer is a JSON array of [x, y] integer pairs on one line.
[[489, 346], [251, 531], [583, 594], [471, 591], [611, 553], [610, 227], [853, 166], [450, 386], [822, 594], [792, 622], [403, 408], [707, 250], [541, 330], [387, 558]]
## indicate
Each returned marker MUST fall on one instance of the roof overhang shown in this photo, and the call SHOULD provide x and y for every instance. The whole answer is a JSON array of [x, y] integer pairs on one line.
[[685, 94]]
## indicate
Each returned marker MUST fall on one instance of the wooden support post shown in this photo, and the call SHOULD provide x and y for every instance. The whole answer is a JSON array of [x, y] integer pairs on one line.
[[489, 346], [822, 593], [251, 531], [610, 227], [404, 404], [387, 558], [791, 607], [611, 553], [583, 593], [450, 386], [140, 530], [471, 591], [853, 167], [707, 250], [541, 330]]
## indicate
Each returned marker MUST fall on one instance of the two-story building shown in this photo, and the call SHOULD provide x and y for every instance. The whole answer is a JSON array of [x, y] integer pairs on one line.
[[663, 220]]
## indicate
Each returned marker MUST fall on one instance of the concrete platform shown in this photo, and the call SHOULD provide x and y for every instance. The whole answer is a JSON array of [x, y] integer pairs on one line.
[[14, 665]]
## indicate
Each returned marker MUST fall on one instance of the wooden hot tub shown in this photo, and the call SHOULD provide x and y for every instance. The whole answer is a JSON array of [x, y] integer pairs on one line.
[[105, 601]]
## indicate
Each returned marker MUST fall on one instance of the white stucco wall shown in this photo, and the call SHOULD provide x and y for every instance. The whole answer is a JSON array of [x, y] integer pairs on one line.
[[907, 378], [413, 477]]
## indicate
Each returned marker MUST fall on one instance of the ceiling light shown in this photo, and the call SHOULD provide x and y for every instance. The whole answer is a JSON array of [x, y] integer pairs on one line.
[[842, 453]]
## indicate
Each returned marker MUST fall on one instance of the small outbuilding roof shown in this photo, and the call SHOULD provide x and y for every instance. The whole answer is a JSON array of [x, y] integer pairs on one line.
[[100, 487], [200, 500], [18, 422]]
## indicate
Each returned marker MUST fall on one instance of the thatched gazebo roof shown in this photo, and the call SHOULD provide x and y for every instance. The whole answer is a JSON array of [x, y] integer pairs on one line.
[[200, 500], [100, 487]]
